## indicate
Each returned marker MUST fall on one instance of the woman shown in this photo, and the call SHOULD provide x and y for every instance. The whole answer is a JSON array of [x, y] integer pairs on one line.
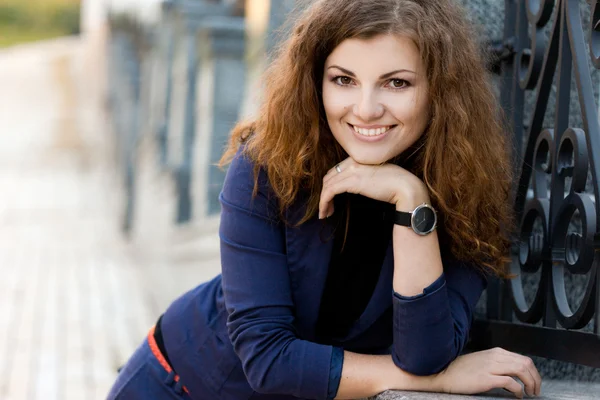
[[335, 281]]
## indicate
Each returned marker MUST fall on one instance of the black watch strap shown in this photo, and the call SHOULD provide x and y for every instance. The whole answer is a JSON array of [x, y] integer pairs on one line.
[[402, 218]]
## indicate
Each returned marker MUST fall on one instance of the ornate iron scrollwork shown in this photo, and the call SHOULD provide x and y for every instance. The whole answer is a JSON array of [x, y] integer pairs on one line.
[[530, 59], [557, 207]]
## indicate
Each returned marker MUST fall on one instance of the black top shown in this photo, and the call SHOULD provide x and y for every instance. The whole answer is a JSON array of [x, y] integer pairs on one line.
[[355, 265]]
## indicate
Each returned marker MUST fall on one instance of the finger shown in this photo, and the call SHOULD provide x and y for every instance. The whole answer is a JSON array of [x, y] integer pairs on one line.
[[327, 209], [529, 365], [508, 383], [332, 173], [334, 170], [331, 190], [518, 367], [534, 373], [331, 209], [338, 176], [343, 166]]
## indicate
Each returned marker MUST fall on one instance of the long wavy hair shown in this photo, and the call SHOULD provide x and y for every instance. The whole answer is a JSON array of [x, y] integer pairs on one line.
[[464, 155]]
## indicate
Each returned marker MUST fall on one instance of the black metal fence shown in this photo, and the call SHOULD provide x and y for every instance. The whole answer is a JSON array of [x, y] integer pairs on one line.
[[556, 197]]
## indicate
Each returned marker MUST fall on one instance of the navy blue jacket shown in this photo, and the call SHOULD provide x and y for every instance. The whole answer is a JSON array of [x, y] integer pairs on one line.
[[249, 333]]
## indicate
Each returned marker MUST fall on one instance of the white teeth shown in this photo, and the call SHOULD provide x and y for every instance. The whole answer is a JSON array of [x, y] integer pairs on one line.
[[371, 132]]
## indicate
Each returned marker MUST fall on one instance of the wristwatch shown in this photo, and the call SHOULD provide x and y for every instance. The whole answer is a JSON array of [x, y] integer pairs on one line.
[[422, 220]]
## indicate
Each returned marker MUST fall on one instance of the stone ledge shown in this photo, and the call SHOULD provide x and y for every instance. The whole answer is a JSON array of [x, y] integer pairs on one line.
[[551, 390]]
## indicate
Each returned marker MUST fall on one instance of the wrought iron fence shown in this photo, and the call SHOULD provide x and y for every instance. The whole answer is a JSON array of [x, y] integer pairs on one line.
[[556, 197], [156, 75]]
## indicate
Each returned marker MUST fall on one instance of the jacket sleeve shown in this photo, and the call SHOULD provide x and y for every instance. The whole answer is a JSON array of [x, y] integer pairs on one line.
[[431, 329], [257, 291]]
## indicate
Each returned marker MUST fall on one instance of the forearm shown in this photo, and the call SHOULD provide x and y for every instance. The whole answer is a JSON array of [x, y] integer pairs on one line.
[[425, 334], [417, 259], [368, 375]]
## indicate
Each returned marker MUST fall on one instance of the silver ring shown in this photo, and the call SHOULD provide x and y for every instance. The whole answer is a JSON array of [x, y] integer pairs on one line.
[[338, 169]]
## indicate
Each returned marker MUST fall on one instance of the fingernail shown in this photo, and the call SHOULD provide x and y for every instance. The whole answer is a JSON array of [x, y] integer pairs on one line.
[[330, 214]]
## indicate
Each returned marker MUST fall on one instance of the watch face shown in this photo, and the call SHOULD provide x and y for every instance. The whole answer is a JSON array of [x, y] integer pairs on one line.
[[423, 219]]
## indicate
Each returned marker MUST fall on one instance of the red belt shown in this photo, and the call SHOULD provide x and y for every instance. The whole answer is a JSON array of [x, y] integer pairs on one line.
[[160, 357]]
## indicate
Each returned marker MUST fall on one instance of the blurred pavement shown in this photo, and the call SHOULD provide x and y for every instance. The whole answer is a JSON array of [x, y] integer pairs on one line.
[[75, 298]]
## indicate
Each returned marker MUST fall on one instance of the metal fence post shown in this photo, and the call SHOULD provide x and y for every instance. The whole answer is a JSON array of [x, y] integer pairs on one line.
[[227, 45], [278, 13], [168, 42], [184, 171], [194, 14]]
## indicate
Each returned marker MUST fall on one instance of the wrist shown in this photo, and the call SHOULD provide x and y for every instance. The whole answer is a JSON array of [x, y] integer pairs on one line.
[[430, 383], [437, 382], [402, 380], [388, 380], [408, 200]]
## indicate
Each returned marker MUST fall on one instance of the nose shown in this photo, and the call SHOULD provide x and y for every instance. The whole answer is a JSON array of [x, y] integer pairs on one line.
[[368, 108]]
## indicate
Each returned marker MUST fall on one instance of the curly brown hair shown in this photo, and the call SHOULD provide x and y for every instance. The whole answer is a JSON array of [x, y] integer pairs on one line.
[[464, 155]]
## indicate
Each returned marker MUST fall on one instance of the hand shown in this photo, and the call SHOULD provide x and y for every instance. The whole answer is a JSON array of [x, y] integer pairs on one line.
[[386, 182], [489, 369]]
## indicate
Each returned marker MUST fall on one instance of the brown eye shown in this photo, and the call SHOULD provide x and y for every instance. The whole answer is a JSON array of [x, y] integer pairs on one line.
[[344, 80], [398, 83]]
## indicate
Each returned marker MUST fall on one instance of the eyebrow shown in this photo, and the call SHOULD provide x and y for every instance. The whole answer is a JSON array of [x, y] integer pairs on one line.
[[384, 76]]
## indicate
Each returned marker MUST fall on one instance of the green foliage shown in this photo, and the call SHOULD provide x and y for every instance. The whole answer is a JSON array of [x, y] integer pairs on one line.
[[10, 15], [24, 21], [67, 18]]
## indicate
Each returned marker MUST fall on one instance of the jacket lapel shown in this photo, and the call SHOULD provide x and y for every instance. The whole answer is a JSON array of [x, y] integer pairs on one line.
[[309, 249]]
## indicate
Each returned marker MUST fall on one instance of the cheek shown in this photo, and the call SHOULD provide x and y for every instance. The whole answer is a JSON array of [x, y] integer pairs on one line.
[[423, 114], [334, 103], [327, 103], [411, 112]]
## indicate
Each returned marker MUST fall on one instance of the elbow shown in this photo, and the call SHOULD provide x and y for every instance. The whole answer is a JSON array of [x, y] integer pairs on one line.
[[257, 369], [263, 349], [262, 368], [424, 356], [259, 386], [260, 382]]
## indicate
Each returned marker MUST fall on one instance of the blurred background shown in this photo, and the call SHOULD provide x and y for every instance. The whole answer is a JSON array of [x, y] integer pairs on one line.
[[113, 114]]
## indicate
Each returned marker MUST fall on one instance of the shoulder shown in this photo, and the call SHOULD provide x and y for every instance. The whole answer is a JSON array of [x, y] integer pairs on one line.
[[243, 173], [247, 185]]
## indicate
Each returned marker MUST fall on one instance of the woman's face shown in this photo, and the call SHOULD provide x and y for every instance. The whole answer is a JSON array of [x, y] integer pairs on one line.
[[375, 97]]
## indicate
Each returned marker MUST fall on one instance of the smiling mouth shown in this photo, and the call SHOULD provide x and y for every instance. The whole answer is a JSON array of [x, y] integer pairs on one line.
[[372, 132]]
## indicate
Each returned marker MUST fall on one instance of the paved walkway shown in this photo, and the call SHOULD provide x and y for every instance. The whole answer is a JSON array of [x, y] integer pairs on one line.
[[71, 307]]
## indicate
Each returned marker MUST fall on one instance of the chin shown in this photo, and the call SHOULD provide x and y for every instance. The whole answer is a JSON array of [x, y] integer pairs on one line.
[[369, 159]]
